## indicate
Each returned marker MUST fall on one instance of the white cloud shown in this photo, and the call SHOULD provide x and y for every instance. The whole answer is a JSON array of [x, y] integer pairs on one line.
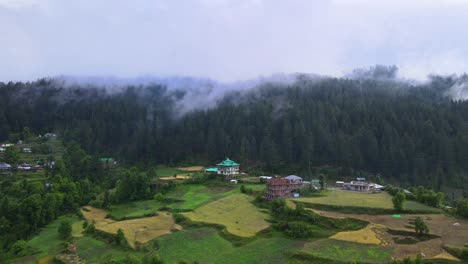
[[229, 39]]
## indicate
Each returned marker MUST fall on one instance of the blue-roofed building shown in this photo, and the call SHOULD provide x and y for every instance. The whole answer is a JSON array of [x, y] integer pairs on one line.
[[228, 167]]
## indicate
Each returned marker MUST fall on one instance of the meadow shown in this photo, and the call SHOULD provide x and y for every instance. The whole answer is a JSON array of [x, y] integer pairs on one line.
[[96, 251], [48, 242], [205, 245], [235, 212], [348, 251], [383, 200]]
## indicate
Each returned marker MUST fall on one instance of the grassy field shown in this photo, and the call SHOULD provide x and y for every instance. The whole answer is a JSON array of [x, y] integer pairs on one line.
[[163, 171], [96, 251], [134, 209], [235, 212], [204, 245], [48, 240], [348, 251], [381, 200]]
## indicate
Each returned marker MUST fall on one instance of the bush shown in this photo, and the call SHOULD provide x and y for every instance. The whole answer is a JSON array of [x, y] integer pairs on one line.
[[152, 259], [399, 201], [420, 227], [20, 249], [65, 229], [90, 229], [296, 229], [158, 197], [179, 218], [120, 238]]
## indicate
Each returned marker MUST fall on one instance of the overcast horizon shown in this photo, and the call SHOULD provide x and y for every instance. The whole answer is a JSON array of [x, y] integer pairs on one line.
[[229, 40]]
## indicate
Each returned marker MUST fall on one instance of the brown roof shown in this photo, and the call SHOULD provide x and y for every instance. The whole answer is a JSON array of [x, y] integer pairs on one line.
[[278, 181]]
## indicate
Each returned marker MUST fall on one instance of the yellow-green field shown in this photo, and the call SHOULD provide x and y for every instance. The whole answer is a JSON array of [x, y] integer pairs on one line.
[[350, 198], [381, 200], [235, 212], [139, 230]]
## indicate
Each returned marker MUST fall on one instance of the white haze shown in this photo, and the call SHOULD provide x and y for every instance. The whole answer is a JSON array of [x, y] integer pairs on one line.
[[230, 40]]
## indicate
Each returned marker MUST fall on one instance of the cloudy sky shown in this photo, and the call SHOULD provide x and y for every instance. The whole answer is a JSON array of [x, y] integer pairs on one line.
[[230, 39]]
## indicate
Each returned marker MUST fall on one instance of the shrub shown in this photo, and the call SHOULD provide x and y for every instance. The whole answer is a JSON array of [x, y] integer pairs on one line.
[[296, 229], [399, 201], [19, 248], [158, 197], [90, 229], [420, 227], [65, 229], [179, 218]]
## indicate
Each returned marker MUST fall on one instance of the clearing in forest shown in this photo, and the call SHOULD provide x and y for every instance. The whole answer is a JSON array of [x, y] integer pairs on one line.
[[235, 212], [139, 230]]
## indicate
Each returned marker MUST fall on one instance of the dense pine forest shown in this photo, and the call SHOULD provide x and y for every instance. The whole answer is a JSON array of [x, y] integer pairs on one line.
[[413, 133]]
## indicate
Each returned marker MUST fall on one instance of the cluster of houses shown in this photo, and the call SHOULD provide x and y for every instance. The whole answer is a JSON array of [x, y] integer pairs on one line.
[[21, 167]]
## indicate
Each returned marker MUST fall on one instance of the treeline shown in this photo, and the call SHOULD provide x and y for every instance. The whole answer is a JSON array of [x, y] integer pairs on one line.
[[412, 133]]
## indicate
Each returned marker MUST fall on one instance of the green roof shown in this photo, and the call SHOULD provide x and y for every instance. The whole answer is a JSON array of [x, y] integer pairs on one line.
[[106, 159], [211, 170], [228, 163]]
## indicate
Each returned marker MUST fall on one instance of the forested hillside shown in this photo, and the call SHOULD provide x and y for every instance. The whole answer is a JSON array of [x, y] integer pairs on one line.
[[415, 133]]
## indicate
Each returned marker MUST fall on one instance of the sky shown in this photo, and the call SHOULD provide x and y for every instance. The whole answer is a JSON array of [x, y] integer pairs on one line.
[[229, 40]]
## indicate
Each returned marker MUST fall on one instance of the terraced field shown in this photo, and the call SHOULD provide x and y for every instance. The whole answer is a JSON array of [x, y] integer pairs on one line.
[[235, 212]]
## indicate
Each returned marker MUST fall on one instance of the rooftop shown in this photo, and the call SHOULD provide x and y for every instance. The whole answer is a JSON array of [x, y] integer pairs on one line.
[[278, 181], [293, 177], [228, 163]]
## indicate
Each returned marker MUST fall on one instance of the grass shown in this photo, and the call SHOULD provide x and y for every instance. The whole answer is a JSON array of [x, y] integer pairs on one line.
[[96, 251], [134, 209], [205, 245], [48, 240], [337, 199], [348, 251], [196, 195], [163, 171], [235, 212]]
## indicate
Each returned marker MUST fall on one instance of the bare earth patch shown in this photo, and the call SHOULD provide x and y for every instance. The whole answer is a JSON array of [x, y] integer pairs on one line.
[[139, 230], [447, 256], [191, 168], [177, 178]]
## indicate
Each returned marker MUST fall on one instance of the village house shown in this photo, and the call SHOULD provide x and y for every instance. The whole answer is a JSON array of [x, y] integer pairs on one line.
[[283, 187], [277, 188], [49, 135], [24, 167], [360, 186], [4, 166], [295, 182], [228, 168], [27, 150]]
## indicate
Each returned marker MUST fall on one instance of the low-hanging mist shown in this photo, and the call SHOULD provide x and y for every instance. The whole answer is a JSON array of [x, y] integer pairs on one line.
[[370, 121]]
